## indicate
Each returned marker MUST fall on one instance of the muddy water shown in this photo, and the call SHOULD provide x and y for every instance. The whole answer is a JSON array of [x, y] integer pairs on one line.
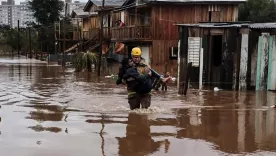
[[50, 111]]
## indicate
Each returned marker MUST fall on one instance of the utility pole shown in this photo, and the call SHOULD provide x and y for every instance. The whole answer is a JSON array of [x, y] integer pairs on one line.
[[82, 35], [30, 42], [18, 38], [59, 41], [63, 29], [78, 33], [55, 29], [101, 39], [26, 51], [63, 54]]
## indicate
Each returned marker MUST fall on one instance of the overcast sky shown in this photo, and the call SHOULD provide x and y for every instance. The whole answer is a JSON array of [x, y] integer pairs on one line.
[[18, 1]]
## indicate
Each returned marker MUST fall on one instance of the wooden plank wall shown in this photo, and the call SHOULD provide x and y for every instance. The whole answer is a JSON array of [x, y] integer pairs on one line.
[[115, 17], [86, 24], [159, 56], [165, 32], [130, 14], [90, 22], [142, 14], [252, 61], [93, 8], [164, 17]]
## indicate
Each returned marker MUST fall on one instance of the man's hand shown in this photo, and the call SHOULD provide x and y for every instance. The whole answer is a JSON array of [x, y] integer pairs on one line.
[[150, 74], [148, 71]]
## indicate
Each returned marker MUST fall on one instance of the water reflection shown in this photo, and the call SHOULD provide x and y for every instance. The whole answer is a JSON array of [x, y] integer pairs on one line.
[[138, 140], [36, 102], [39, 128]]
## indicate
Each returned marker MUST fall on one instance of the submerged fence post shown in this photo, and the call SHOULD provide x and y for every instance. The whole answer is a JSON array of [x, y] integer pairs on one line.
[[183, 55], [186, 85], [178, 65], [243, 62], [201, 68], [271, 77], [262, 62]]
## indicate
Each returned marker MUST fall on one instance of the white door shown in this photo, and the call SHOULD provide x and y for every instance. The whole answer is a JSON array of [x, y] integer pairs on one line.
[[123, 16], [145, 54]]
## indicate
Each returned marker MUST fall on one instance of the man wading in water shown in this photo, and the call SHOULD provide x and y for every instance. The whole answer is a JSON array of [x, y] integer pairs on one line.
[[137, 76]]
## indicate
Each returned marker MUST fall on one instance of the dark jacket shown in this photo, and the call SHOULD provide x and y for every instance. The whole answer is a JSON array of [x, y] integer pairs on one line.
[[136, 82], [122, 70]]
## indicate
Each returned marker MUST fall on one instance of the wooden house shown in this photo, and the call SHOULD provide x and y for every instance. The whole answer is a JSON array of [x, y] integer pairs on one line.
[[88, 22], [82, 37], [109, 19], [151, 25], [81, 20], [90, 16]]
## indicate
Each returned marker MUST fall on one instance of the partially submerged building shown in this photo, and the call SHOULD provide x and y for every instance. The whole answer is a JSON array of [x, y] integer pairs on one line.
[[236, 56], [151, 25]]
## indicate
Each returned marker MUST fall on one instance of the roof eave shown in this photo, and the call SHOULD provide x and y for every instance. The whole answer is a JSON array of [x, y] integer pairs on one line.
[[87, 5], [125, 3]]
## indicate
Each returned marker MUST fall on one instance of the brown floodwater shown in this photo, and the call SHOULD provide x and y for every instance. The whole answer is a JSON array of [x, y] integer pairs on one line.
[[50, 111]]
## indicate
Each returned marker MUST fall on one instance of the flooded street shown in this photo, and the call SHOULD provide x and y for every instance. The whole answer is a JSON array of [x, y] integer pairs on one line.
[[50, 111]]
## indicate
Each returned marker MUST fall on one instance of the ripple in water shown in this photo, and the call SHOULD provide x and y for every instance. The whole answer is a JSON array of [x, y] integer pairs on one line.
[[150, 110]]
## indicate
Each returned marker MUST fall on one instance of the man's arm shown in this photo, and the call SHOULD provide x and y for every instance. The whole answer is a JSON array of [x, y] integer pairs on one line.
[[135, 75], [155, 74], [152, 72]]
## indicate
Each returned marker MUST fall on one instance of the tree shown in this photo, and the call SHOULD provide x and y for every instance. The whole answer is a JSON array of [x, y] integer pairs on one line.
[[258, 11], [9, 36], [46, 12]]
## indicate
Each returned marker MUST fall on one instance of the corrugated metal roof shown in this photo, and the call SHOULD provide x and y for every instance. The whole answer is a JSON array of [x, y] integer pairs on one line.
[[200, 1], [233, 24], [80, 12], [114, 3], [215, 25], [263, 25]]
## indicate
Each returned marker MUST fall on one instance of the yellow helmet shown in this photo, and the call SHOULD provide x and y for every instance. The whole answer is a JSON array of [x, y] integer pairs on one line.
[[136, 52]]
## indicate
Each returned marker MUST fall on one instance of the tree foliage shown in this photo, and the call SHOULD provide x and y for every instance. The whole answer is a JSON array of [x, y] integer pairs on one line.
[[10, 37], [82, 61], [46, 12], [258, 11]]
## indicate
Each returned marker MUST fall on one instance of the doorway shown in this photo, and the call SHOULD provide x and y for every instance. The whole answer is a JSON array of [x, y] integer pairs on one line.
[[129, 48], [216, 60]]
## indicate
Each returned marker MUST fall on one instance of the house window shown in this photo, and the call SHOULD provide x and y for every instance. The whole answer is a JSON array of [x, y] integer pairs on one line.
[[173, 53], [145, 18]]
